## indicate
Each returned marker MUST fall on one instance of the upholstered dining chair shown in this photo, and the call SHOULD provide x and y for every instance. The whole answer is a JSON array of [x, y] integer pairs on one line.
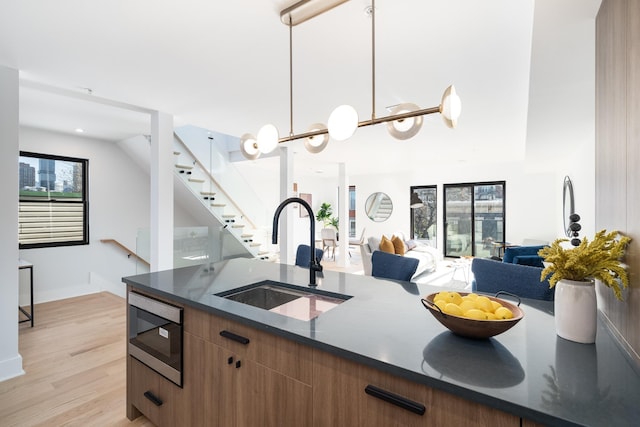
[[391, 266], [329, 241], [302, 255]]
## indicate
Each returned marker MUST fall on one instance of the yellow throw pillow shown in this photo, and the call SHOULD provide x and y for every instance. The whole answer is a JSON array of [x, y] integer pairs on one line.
[[386, 245], [398, 245]]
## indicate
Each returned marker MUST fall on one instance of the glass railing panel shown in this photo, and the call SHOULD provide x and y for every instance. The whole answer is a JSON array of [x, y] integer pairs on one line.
[[210, 148], [194, 246]]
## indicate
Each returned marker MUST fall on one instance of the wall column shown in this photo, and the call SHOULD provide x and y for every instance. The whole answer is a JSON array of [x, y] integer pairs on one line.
[[343, 215], [285, 239], [161, 204], [10, 359]]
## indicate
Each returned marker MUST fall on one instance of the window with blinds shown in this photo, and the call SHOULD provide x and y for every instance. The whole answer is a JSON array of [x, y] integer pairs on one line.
[[53, 201]]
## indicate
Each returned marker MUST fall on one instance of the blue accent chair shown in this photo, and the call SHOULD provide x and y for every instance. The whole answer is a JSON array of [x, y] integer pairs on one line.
[[526, 255], [391, 266], [523, 280], [302, 255]]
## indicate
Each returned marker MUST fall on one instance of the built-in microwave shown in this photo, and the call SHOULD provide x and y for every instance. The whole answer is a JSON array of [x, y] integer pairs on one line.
[[155, 335]]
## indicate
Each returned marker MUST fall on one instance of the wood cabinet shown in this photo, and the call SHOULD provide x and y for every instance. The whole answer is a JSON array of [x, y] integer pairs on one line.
[[347, 393], [151, 394], [248, 377], [236, 375]]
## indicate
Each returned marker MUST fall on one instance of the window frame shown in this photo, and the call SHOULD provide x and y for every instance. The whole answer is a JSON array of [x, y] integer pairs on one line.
[[52, 201], [412, 213], [472, 186]]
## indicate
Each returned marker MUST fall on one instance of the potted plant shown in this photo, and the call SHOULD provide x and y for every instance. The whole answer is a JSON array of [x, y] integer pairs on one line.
[[325, 215], [573, 272]]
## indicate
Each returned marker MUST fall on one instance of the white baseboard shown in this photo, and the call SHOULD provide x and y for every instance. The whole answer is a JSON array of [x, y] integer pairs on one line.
[[103, 284], [11, 368]]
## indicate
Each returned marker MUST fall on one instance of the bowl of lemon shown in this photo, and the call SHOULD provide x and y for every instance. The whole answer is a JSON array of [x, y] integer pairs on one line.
[[473, 315]]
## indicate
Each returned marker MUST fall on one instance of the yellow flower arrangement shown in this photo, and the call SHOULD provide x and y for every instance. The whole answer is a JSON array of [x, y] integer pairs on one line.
[[599, 259]]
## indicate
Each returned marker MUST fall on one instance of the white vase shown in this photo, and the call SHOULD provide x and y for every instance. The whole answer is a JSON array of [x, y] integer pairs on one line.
[[576, 311]]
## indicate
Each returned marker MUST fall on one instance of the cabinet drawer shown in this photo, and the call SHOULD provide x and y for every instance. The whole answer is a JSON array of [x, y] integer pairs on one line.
[[282, 355], [347, 393], [151, 394]]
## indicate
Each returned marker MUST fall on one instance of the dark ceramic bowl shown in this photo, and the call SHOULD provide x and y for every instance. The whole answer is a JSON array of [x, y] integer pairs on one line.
[[472, 328]]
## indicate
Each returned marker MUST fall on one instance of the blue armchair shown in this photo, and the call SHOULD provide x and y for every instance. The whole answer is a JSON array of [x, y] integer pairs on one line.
[[391, 266], [302, 255], [523, 280]]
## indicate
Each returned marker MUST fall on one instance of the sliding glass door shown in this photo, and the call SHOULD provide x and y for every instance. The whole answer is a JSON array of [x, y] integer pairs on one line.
[[474, 219]]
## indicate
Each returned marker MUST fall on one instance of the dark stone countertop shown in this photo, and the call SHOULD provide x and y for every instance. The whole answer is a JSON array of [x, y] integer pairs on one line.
[[527, 371]]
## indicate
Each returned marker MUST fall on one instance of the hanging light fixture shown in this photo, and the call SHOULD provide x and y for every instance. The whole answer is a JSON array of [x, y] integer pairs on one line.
[[416, 202], [404, 122]]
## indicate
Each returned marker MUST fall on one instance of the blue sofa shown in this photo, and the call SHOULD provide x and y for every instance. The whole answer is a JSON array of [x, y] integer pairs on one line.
[[523, 280], [526, 255]]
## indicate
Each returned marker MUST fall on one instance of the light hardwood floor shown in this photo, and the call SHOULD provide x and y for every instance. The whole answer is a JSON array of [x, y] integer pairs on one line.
[[74, 359]]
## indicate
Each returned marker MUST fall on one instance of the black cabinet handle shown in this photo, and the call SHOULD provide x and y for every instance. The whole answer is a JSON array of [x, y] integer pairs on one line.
[[387, 396], [230, 360], [238, 364], [234, 337], [155, 400]]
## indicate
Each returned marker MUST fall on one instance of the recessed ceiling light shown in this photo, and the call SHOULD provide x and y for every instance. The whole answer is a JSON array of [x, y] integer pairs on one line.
[[79, 130]]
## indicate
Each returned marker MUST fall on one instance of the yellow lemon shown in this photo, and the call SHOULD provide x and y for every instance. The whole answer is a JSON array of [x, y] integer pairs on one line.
[[441, 304], [455, 298], [503, 313], [466, 305], [491, 316], [453, 309], [444, 295], [495, 305], [476, 314], [471, 296], [483, 303]]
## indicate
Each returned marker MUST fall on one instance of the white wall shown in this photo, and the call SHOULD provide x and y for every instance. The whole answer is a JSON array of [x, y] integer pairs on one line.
[[10, 360], [118, 207]]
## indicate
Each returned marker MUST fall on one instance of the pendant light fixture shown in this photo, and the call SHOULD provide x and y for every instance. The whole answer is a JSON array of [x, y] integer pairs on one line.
[[416, 202], [404, 122]]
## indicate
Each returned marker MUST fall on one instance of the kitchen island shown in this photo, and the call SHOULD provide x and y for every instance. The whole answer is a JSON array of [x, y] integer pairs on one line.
[[377, 358]]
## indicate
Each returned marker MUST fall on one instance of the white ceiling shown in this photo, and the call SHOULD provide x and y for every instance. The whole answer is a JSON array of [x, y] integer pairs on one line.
[[224, 65]]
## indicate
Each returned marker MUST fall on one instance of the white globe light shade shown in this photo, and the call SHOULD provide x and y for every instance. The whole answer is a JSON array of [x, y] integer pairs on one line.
[[343, 122], [317, 143], [450, 107], [405, 128], [249, 147], [267, 139]]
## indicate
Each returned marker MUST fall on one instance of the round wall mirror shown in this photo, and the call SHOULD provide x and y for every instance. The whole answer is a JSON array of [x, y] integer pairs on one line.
[[378, 207], [568, 206]]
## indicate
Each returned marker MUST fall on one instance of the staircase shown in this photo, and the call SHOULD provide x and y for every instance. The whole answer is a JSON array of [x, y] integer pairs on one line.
[[196, 178], [221, 199]]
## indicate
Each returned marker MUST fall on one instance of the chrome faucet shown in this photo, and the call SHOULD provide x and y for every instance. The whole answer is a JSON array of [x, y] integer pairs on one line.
[[314, 264]]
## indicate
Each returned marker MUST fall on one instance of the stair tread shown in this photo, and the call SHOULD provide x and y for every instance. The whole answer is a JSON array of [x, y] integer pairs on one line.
[[184, 167], [228, 215], [208, 193], [246, 235], [253, 245], [218, 205], [196, 180], [237, 226]]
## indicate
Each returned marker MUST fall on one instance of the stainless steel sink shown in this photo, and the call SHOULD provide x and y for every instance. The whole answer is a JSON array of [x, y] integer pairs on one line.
[[285, 299]]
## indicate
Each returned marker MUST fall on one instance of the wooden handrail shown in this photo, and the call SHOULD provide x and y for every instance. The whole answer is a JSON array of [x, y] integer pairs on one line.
[[129, 251]]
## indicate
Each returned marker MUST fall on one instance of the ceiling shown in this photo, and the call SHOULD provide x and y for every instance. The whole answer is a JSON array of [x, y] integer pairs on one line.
[[224, 65]]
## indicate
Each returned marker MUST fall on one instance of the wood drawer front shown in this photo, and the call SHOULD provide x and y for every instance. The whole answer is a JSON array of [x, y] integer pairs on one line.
[[340, 398], [141, 380], [282, 355]]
